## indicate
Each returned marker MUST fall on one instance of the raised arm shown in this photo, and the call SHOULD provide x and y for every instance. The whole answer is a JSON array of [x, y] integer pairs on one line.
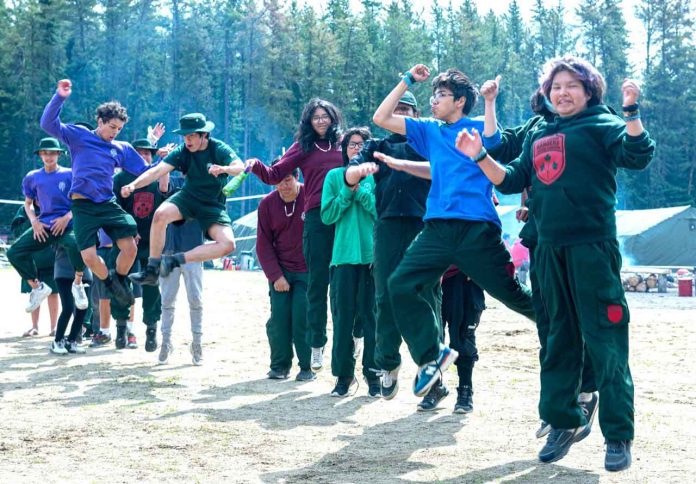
[[384, 117], [489, 91], [50, 119]]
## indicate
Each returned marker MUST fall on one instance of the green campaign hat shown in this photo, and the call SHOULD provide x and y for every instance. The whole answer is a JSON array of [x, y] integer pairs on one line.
[[410, 99], [144, 144], [49, 144], [194, 123]]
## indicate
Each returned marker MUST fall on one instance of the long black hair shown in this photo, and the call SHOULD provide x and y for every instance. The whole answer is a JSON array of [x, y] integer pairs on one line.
[[306, 136]]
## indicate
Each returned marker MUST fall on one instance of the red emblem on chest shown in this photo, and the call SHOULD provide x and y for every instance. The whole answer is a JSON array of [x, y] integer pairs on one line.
[[143, 204], [549, 158]]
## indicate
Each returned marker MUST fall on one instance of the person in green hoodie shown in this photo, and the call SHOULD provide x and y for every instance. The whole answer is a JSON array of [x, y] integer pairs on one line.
[[571, 164], [352, 292]]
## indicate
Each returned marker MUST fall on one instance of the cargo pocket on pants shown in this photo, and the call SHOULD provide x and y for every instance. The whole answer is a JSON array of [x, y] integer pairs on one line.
[[613, 310]]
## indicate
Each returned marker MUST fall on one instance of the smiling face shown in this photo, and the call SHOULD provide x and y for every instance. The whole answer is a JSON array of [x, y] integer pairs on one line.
[[568, 95], [288, 187], [321, 121]]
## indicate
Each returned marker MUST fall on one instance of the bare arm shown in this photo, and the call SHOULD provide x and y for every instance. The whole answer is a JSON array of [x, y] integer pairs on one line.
[[420, 169], [489, 91], [471, 145], [356, 173], [146, 178], [384, 117]]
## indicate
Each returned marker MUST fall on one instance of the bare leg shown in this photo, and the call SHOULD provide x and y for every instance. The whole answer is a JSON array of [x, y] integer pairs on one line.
[[165, 214], [126, 257], [104, 313], [224, 244], [94, 262], [53, 309], [35, 318]]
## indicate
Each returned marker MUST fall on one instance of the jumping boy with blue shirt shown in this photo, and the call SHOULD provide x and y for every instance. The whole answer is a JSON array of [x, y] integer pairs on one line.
[[461, 224]]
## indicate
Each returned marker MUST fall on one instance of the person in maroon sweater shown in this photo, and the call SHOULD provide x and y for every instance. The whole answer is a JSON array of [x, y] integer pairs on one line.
[[316, 151], [279, 250]]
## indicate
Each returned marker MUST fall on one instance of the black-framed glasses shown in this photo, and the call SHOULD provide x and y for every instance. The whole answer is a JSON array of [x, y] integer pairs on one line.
[[323, 117], [356, 145]]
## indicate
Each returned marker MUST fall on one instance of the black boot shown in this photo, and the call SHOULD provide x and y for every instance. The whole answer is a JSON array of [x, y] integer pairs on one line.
[[151, 338], [119, 288], [169, 262], [147, 277], [465, 400], [120, 335]]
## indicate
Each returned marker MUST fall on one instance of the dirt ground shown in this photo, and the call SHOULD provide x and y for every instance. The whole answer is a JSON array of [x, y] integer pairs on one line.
[[114, 416]]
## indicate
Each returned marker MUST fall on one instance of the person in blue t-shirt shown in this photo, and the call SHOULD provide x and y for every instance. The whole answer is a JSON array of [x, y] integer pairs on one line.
[[461, 224]]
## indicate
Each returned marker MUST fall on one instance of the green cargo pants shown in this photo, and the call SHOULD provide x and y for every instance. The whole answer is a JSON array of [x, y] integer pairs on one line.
[[288, 323], [20, 255], [477, 249], [317, 244], [152, 299], [581, 287], [352, 298]]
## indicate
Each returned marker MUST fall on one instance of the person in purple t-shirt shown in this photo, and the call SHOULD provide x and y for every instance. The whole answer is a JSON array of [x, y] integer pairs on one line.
[[279, 248], [47, 187], [95, 155]]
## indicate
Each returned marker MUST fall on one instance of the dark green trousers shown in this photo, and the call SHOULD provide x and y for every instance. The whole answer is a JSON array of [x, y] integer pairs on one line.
[[542, 322], [352, 298], [317, 244], [392, 238], [288, 323], [477, 249], [20, 255], [582, 291], [152, 299]]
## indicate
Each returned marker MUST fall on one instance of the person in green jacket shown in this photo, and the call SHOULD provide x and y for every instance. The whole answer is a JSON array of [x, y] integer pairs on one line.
[[571, 164], [352, 293]]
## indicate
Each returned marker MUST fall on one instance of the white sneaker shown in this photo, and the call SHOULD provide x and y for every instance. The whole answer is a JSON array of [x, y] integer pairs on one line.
[[196, 354], [37, 296], [73, 347], [80, 296], [358, 344], [58, 348], [317, 361]]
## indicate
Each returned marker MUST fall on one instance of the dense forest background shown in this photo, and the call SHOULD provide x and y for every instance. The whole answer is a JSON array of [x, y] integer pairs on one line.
[[251, 65]]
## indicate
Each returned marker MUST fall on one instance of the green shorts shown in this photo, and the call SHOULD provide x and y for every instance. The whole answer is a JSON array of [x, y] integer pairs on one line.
[[89, 217], [207, 214]]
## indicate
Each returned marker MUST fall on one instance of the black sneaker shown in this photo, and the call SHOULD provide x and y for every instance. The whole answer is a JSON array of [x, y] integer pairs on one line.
[[100, 339], [557, 444], [306, 375], [589, 409], [120, 337], [147, 277], [389, 382], [343, 386], [277, 374], [618, 456], [374, 389], [434, 396], [465, 400], [151, 339], [119, 289]]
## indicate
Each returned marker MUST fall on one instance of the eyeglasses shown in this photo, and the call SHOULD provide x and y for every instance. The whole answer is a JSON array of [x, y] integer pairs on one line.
[[323, 117], [353, 145], [439, 95]]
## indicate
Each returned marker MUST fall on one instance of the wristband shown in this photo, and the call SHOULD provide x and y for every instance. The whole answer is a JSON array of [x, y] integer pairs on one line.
[[482, 154], [632, 118], [408, 79], [632, 107]]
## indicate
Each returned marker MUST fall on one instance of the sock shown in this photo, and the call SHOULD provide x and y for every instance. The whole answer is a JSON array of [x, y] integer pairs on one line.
[[121, 278], [129, 325], [585, 397], [105, 331], [180, 259], [153, 261], [108, 279]]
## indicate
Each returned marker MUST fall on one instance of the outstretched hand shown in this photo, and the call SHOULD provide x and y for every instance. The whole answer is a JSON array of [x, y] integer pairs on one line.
[[631, 92], [390, 161], [165, 150], [64, 88], [157, 132], [469, 143], [420, 72], [491, 89]]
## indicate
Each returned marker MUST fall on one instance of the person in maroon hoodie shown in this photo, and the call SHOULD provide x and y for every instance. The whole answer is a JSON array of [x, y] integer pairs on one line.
[[316, 151], [279, 249]]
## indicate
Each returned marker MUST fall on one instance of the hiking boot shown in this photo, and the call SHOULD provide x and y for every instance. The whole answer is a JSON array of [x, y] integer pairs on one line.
[[120, 337], [374, 389], [543, 430], [343, 386], [278, 374], [557, 444], [618, 456], [100, 339], [75, 348], [80, 296], [389, 383], [151, 339], [132, 341], [436, 394], [589, 408], [58, 348], [306, 375], [431, 372], [119, 289], [147, 277], [358, 344], [37, 296], [196, 354], [465, 400], [169, 262], [317, 361], [165, 351]]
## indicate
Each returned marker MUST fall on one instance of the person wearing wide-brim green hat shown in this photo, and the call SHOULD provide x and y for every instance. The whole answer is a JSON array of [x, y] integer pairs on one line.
[[49, 144], [194, 123], [145, 144]]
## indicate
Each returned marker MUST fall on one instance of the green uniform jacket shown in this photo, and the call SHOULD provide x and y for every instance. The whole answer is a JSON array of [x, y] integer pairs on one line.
[[353, 214], [571, 164]]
